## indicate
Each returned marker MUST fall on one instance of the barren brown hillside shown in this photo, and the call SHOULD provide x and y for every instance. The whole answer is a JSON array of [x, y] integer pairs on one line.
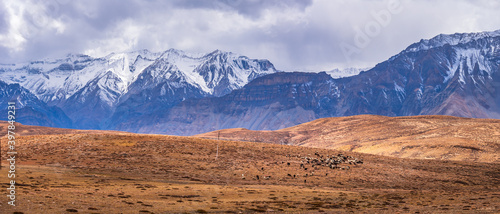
[[421, 137], [131, 173], [110, 172]]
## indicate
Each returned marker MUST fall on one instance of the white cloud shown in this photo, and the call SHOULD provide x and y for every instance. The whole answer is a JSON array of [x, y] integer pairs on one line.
[[26, 19], [294, 35]]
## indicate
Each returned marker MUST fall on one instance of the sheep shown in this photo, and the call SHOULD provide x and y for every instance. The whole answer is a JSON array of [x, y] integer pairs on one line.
[[345, 168]]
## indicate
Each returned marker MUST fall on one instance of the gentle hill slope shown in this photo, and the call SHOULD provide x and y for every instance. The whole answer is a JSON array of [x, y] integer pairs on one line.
[[110, 173], [421, 137]]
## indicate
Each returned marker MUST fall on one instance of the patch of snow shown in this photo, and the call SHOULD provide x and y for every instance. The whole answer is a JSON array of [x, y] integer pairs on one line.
[[451, 39], [465, 61], [115, 72], [400, 92], [346, 72]]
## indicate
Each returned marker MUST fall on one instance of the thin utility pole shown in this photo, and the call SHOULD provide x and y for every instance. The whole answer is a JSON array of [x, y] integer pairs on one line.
[[217, 155], [218, 136]]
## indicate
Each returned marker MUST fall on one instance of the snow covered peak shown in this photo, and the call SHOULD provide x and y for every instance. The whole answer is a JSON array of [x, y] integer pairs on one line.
[[146, 54], [172, 52], [56, 80], [451, 39], [467, 56], [216, 52], [346, 72], [216, 73]]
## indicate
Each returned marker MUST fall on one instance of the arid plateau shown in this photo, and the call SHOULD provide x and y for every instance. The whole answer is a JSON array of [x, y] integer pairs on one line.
[[360, 164]]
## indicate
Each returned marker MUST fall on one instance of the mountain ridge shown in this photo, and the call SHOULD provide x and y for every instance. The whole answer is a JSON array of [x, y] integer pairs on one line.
[[460, 80], [172, 93], [89, 90]]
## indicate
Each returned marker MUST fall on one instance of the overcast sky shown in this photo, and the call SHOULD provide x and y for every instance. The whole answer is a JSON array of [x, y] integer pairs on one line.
[[293, 34]]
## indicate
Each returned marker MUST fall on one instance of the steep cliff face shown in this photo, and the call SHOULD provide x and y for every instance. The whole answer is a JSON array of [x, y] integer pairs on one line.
[[460, 80]]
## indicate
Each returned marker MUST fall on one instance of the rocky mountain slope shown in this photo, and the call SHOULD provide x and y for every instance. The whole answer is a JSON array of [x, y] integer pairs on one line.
[[346, 72], [453, 75], [29, 109], [173, 92], [89, 90]]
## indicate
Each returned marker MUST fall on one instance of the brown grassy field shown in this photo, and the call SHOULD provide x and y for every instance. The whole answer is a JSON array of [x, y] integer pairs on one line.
[[67, 171], [419, 137], [107, 172]]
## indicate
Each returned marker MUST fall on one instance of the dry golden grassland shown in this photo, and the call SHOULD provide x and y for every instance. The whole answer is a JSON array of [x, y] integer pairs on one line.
[[419, 137], [108, 172]]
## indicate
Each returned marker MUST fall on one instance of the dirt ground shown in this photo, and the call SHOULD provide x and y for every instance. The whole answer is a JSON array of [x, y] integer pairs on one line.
[[417, 137], [131, 173]]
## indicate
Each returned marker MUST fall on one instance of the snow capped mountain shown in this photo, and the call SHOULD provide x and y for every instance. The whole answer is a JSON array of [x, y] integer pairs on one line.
[[59, 79], [449, 39], [29, 109], [346, 72], [175, 92], [177, 76], [459, 54], [80, 84], [456, 75], [216, 73]]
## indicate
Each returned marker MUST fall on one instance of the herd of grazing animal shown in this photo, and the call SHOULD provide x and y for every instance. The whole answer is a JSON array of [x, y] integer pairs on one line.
[[333, 162]]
